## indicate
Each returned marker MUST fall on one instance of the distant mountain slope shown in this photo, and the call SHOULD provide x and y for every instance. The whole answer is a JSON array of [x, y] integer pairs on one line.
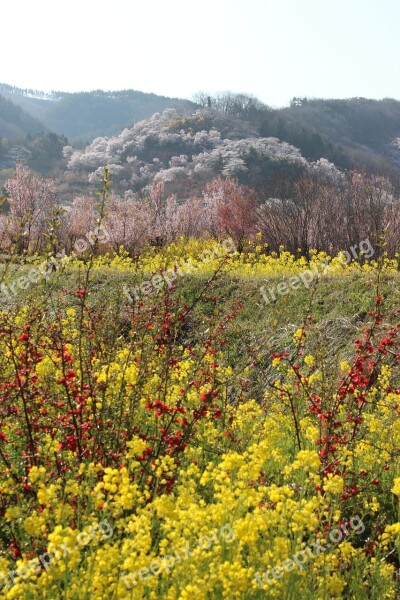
[[352, 132], [87, 115], [15, 122], [186, 151], [368, 123]]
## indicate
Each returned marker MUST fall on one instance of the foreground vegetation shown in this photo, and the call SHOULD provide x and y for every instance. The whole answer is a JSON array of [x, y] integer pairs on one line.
[[182, 438]]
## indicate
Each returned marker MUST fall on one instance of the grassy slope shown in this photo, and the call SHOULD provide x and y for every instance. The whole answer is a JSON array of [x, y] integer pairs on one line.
[[339, 306]]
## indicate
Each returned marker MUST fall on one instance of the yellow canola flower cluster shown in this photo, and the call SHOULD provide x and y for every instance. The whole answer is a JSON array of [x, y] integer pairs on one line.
[[255, 260], [165, 516]]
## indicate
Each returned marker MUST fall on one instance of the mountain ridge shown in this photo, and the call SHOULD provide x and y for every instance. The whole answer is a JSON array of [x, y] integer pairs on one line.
[[83, 116], [349, 133]]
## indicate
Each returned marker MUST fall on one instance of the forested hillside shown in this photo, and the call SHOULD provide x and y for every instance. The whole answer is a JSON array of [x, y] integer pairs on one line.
[[14, 121], [187, 143], [86, 115]]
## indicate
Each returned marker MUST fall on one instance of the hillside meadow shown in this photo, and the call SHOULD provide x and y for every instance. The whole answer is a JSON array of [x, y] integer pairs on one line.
[[167, 432]]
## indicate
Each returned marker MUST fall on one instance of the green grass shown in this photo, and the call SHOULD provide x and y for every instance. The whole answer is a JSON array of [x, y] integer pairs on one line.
[[339, 306]]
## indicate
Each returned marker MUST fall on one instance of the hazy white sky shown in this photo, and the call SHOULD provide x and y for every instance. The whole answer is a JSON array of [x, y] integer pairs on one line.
[[274, 49]]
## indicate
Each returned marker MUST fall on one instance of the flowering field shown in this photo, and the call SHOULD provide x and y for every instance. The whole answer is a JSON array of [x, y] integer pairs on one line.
[[159, 440]]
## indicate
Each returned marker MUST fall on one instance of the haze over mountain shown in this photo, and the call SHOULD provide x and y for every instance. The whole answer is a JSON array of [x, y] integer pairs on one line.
[[36, 126], [82, 116], [14, 121]]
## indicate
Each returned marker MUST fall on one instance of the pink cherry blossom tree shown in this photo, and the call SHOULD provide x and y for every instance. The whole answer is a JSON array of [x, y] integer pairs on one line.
[[31, 200]]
